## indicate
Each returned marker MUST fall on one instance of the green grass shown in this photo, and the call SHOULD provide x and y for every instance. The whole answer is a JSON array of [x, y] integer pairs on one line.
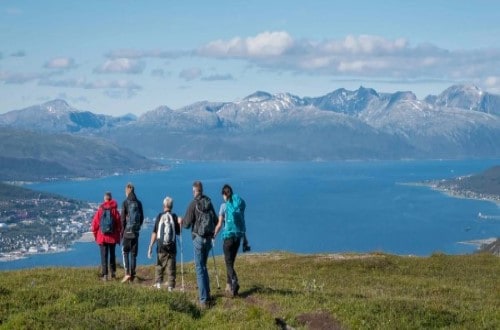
[[375, 291]]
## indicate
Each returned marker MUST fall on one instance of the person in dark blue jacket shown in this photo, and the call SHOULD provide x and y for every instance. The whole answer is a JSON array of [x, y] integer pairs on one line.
[[132, 219]]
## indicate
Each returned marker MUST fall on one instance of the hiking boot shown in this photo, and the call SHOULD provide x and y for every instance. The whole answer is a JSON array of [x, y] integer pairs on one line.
[[170, 288], [229, 290], [126, 278], [157, 285], [104, 278], [204, 305], [235, 290]]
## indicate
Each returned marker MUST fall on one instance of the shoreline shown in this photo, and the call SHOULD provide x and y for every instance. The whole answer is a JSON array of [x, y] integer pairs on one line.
[[479, 242], [456, 194], [87, 237], [19, 255]]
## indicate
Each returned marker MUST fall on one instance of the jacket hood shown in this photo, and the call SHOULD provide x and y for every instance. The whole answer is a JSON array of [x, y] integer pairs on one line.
[[236, 200], [131, 196], [109, 204]]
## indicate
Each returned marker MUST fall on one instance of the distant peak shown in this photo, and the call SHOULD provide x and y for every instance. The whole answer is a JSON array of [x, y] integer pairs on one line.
[[57, 103], [404, 96], [466, 89], [258, 96], [57, 106], [366, 91]]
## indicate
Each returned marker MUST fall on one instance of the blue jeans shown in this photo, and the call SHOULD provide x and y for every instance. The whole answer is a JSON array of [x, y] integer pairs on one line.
[[202, 247]]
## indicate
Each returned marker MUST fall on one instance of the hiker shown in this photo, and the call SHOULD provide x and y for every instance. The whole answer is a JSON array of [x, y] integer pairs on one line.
[[232, 217], [132, 219], [107, 227], [202, 219], [164, 234]]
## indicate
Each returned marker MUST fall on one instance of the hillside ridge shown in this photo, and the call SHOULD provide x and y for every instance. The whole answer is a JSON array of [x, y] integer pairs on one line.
[[288, 291]]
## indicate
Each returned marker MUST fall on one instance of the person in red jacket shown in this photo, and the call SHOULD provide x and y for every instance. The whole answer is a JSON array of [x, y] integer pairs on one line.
[[107, 227]]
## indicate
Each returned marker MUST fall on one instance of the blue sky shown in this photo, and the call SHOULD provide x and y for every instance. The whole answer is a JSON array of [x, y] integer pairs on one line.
[[118, 57]]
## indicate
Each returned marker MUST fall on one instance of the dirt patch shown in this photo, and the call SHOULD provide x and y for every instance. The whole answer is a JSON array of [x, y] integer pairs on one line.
[[319, 321]]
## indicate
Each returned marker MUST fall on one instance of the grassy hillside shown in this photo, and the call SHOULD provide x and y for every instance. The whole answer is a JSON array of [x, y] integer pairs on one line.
[[277, 290]]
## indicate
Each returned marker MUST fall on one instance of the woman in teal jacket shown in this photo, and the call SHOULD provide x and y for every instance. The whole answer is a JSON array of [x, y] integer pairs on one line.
[[232, 220]]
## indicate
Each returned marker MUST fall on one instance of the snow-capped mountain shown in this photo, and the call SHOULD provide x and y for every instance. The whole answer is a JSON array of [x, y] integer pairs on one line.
[[59, 116], [467, 98], [462, 121], [344, 101]]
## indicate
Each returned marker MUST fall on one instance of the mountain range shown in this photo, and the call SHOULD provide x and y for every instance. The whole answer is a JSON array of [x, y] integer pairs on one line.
[[39, 156], [461, 122]]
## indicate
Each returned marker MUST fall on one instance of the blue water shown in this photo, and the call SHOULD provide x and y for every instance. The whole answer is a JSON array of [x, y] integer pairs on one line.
[[305, 207]]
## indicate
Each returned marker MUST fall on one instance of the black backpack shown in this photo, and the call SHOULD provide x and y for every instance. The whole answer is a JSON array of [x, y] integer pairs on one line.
[[133, 225], [205, 218], [106, 221]]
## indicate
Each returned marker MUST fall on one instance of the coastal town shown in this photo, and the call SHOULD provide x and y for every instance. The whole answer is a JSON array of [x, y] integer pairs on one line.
[[41, 224], [456, 188]]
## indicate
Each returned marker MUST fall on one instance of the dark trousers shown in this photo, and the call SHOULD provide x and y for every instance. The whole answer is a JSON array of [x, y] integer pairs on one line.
[[108, 250], [230, 247], [130, 249], [166, 261]]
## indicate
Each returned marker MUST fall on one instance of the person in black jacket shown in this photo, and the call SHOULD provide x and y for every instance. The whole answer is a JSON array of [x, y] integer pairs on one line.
[[202, 238], [132, 217]]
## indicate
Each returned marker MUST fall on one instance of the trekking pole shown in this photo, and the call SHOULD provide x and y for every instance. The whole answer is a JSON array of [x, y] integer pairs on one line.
[[215, 266], [182, 263]]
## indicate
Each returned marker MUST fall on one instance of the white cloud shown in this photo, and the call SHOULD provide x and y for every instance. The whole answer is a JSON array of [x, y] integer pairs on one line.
[[491, 83], [266, 44], [366, 56], [362, 66], [363, 44], [117, 89], [98, 84], [121, 65], [21, 77], [114, 84], [60, 63], [137, 54]]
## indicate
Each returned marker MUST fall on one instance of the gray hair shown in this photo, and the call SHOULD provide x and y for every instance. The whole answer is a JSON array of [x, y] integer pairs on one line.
[[168, 203]]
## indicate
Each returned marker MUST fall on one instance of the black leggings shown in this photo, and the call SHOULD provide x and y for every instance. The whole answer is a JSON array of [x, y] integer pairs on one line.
[[230, 247], [108, 250]]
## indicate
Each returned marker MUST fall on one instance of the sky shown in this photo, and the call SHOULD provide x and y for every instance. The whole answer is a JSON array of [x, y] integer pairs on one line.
[[118, 57]]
